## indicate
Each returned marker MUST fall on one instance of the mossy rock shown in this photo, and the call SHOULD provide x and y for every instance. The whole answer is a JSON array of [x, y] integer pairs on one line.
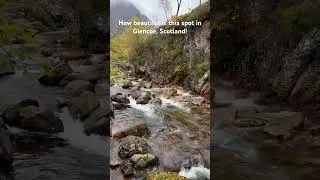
[[164, 176]]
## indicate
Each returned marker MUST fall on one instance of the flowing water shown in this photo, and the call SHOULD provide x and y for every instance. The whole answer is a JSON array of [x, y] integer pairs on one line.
[[236, 158], [156, 121], [64, 156]]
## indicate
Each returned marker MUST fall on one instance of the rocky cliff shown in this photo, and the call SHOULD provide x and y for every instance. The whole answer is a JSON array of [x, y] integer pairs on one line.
[[270, 46]]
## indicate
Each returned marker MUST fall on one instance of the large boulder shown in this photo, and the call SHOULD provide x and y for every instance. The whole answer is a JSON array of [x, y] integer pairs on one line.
[[83, 105], [144, 99], [296, 70], [131, 145], [30, 117], [77, 87], [120, 98], [98, 122]]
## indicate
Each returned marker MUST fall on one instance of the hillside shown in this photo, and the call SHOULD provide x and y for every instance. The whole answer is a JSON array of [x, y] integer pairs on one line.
[[123, 10]]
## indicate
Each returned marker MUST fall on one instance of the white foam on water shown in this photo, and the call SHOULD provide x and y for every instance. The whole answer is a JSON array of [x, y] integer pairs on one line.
[[73, 131], [195, 173]]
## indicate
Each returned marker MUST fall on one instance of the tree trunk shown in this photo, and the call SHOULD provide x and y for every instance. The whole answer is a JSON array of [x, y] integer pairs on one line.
[[179, 4]]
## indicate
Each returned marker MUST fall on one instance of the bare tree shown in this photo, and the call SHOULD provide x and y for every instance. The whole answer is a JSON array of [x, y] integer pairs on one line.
[[165, 4], [178, 8]]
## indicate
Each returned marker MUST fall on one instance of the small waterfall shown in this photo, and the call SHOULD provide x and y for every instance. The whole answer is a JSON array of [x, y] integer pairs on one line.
[[73, 132]]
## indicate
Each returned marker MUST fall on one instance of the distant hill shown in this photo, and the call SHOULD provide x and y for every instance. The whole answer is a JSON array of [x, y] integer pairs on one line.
[[122, 10]]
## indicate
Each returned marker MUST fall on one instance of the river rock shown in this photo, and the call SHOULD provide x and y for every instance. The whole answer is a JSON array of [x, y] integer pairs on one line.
[[143, 160], [76, 87], [170, 92], [135, 94], [284, 124], [131, 145], [156, 102], [83, 105], [198, 100], [98, 122], [73, 55], [32, 118], [249, 122], [92, 77], [120, 98], [115, 160], [127, 84], [127, 168], [46, 52], [59, 72], [144, 99], [148, 85], [120, 106], [123, 128]]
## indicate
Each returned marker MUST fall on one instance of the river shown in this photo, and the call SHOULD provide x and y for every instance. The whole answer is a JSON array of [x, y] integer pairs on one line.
[[235, 157], [64, 156]]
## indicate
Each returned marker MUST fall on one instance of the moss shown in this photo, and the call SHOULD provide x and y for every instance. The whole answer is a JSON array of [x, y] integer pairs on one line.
[[203, 67], [115, 75], [164, 176], [299, 18]]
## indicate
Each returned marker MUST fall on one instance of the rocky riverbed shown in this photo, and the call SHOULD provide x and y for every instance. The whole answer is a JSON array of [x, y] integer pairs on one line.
[[256, 138], [54, 121], [157, 129]]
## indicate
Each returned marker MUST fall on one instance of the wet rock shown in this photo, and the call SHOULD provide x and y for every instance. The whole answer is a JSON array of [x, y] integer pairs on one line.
[[28, 102], [247, 122], [120, 106], [144, 99], [46, 52], [83, 105], [127, 85], [73, 55], [32, 118], [194, 161], [97, 58], [120, 98], [127, 168], [284, 124], [62, 102], [148, 85], [156, 102], [131, 145], [170, 92], [205, 154], [135, 94], [53, 78], [198, 100], [121, 129], [143, 160], [100, 127], [6, 68], [75, 88], [6, 149], [246, 111], [92, 77], [224, 116], [98, 122], [115, 161]]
